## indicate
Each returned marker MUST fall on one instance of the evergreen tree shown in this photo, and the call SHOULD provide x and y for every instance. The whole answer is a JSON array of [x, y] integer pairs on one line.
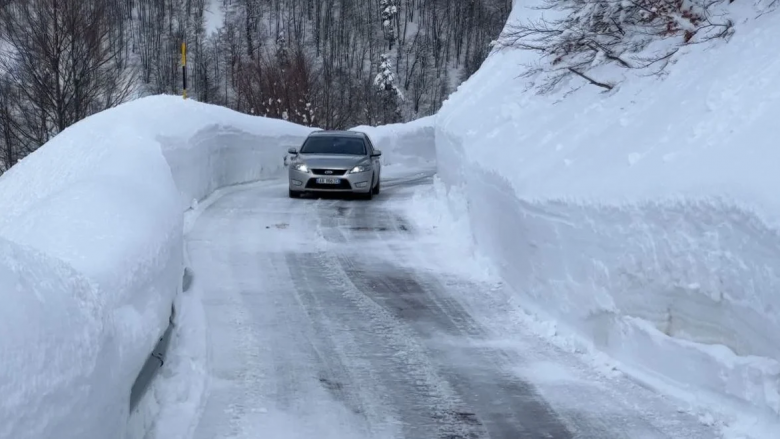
[[389, 15], [389, 94]]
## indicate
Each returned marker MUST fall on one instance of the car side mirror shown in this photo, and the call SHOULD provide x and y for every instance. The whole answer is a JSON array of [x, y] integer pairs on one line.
[[292, 151], [376, 153]]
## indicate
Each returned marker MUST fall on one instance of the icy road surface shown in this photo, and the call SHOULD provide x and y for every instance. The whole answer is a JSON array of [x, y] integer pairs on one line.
[[341, 319]]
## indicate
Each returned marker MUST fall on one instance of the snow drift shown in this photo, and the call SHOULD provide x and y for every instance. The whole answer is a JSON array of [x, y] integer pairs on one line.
[[644, 220], [404, 143], [91, 252]]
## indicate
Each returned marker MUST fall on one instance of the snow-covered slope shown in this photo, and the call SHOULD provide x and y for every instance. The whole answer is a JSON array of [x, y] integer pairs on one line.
[[91, 252], [645, 220]]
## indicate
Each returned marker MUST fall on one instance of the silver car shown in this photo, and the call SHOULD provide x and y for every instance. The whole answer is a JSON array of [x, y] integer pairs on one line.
[[335, 161]]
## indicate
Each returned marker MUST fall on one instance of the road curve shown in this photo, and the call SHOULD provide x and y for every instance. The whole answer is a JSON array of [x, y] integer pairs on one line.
[[334, 318]]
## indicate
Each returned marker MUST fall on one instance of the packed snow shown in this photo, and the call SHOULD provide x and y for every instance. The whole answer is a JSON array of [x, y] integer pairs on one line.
[[56, 339], [643, 223], [404, 144], [91, 252]]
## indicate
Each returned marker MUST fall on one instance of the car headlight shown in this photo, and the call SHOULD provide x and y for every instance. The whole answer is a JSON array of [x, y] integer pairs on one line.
[[301, 167], [360, 168]]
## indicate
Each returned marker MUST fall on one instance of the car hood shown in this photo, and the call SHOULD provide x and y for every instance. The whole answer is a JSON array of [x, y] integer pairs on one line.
[[336, 161]]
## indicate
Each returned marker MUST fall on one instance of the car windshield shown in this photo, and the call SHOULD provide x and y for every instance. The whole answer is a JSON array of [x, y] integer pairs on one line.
[[333, 145]]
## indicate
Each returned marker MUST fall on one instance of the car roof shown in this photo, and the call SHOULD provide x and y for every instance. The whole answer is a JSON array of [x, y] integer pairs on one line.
[[337, 133]]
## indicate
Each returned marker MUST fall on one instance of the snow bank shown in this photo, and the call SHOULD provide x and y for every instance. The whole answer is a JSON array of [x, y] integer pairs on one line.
[[404, 143], [61, 355], [91, 252], [644, 220]]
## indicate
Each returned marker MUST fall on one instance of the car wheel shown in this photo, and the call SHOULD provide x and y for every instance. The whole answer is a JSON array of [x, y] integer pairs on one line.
[[377, 188], [293, 194]]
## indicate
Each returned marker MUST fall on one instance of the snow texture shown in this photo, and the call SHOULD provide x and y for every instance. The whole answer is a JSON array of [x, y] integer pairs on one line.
[[404, 143], [644, 221], [91, 252]]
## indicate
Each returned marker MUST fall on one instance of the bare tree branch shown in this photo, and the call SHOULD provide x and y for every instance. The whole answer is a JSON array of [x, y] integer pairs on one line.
[[588, 34]]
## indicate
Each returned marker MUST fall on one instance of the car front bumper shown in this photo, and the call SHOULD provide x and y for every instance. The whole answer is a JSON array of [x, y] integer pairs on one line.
[[307, 182]]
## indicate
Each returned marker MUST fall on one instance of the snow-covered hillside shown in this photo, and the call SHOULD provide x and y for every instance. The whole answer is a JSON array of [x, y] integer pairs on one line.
[[643, 221], [91, 253]]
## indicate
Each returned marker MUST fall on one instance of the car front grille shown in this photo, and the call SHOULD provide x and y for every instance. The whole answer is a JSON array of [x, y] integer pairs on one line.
[[312, 184], [328, 171]]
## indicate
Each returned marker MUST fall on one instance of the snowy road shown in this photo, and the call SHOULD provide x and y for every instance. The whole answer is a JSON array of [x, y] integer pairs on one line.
[[339, 319]]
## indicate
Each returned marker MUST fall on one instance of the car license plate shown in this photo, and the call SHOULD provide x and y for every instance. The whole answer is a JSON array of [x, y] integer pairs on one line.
[[328, 180]]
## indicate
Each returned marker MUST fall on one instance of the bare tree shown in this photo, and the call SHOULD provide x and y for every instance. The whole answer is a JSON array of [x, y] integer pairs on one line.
[[65, 61], [309, 61], [12, 149], [431, 44], [591, 33]]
